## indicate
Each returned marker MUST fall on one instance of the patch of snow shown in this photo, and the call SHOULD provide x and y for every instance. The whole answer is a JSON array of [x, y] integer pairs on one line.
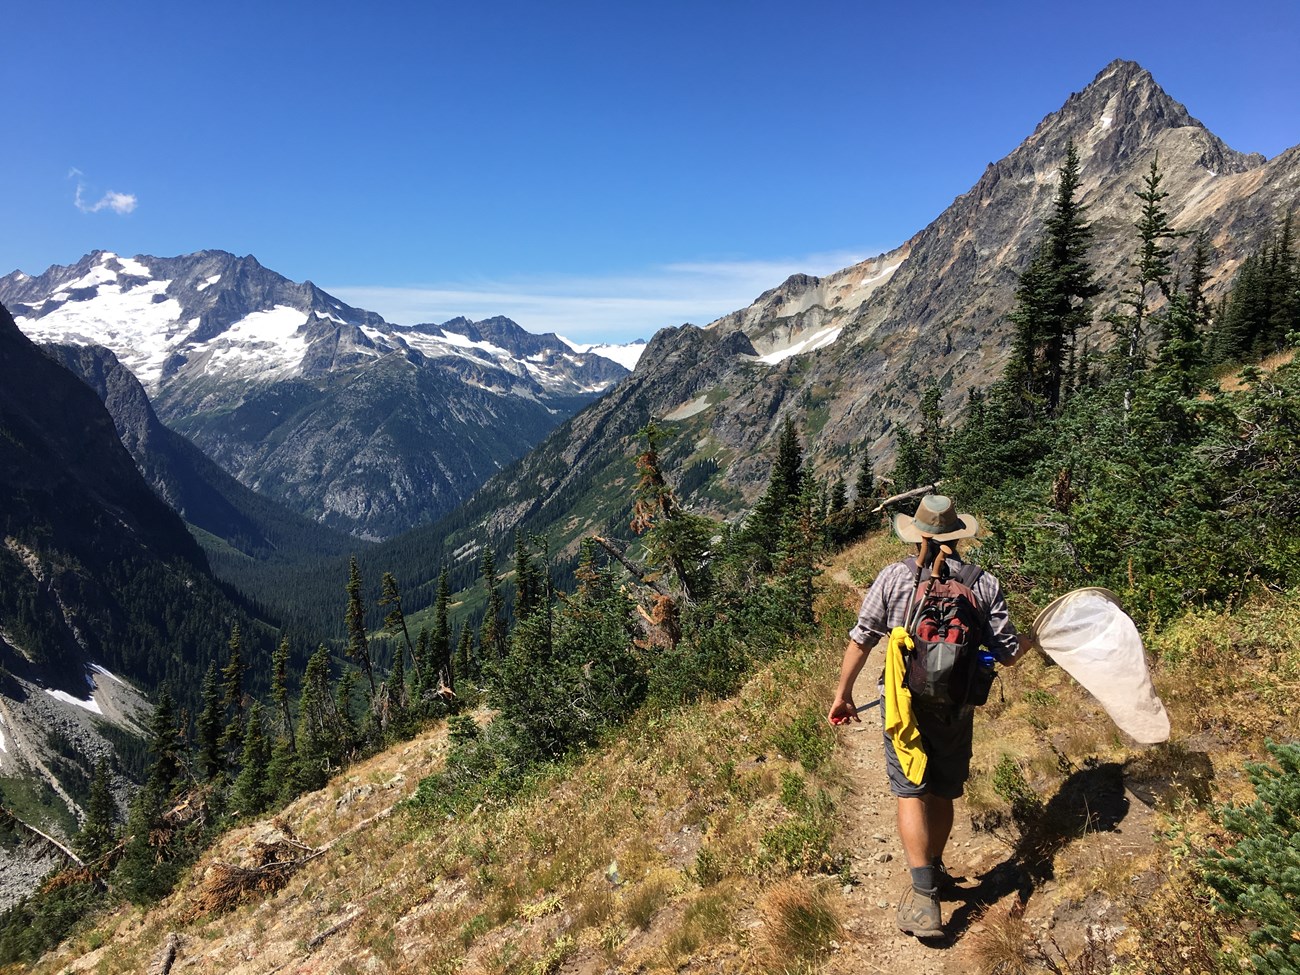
[[627, 355], [139, 330], [818, 340], [265, 343], [100, 670], [209, 282], [1106, 121], [1213, 172], [460, 341], [133, 268], [90, 704]]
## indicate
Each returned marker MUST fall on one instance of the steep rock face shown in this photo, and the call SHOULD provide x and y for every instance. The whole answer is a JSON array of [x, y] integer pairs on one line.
[[222, 345], [187, 479], [941, 312]]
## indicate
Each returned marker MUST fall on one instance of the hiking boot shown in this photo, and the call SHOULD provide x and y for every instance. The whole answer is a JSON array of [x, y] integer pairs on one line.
[[919, 913]]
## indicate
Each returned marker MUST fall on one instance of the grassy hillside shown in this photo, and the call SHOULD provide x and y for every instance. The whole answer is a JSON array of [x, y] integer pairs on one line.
[[745, 835]]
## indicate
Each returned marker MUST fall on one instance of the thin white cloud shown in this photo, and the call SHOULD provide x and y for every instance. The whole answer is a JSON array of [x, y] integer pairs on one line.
[[121, 203], [613, 308]]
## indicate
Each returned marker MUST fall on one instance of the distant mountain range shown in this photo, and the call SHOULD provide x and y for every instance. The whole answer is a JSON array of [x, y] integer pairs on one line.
[[359, 424]]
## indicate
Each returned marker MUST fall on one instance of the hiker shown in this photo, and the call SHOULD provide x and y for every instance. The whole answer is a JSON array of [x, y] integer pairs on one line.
[[932, 724]]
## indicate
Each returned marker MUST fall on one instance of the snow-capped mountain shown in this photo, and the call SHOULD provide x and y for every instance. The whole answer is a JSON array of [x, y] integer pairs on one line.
[[301, 396], [626, 355], [213, 314]]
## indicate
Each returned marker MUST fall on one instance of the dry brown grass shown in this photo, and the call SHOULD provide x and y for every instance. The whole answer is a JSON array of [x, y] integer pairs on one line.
[[998, 944], [801, 921]]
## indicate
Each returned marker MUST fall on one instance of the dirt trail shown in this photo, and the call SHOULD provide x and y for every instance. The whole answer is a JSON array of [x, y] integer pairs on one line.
[[979, 862], [1095, 808], [876, 944]]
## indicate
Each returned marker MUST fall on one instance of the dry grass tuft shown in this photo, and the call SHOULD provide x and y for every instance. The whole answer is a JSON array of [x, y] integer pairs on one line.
[[1001, 941], [801, 920]]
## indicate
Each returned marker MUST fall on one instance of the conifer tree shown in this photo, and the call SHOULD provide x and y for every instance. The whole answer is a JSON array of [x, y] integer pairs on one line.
[[318, 731], [148, 871], [396, 685], [1053, 300], [99, 831], [839, 497], [280, 690], [492, 636], [465, 654], [1154, 268], [210, 727], [676, 541], [355, 619], [165, 744], [395, 619], [232, 693], [440, 646], [864, 495], [423, 680], [763, 527], [251, 792], [796, 562]]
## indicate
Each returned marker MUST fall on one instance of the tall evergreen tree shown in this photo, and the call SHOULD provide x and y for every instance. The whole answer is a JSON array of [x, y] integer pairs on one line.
[[465, 654], [251, 792], [440, 646], [676, 541], [395, 619], [763, 526], [280, 689], [318, 731], [1053, 299], [492, 637], [232, 693], [99, 832], [210, 727], [864, 494], [1154, 279], [355, 619]]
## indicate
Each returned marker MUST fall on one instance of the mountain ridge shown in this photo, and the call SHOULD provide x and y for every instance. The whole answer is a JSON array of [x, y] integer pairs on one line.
[[264, 374]]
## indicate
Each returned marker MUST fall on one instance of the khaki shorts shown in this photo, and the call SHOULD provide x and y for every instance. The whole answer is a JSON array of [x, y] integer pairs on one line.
[[946, 735]]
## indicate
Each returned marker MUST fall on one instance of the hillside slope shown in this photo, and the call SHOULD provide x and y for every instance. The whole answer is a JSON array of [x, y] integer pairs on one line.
[[739, 835]]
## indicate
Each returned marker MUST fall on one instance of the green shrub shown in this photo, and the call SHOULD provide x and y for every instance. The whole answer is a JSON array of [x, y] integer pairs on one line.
[[808, 739], [1257, 879]]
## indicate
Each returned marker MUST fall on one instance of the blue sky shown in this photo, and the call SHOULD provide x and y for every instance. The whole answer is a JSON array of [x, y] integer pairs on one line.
[[597, 169]]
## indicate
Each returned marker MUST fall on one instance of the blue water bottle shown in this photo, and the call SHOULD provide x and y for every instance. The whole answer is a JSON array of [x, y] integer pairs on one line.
[[982, 680]]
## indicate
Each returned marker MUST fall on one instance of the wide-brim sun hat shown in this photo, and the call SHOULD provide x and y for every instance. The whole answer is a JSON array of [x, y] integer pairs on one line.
[[937, 518]]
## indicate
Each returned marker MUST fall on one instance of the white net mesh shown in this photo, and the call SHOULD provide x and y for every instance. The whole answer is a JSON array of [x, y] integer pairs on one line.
[[1093, 640]]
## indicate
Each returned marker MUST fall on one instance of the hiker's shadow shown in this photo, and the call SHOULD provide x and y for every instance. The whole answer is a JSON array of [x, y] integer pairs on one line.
[[1091, 800]]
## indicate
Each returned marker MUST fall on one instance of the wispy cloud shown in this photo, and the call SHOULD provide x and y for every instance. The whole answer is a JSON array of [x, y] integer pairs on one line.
[[613, 308], [112, 200]]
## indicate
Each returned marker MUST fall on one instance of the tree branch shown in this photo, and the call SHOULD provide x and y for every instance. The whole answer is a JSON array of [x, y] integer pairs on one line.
[[906, 494], [640, 571]]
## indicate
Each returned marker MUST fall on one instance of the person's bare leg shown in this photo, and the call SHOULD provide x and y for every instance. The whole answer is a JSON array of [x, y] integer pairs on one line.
[[938, 816], [924, 824]]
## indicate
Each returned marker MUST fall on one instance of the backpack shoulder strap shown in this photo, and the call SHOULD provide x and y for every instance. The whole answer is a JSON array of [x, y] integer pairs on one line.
[[968, 574]]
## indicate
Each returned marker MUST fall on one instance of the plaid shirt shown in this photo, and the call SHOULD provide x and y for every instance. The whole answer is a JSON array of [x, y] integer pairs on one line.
[[890, 597]]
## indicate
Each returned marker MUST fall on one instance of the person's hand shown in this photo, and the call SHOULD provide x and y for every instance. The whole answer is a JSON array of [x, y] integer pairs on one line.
[[843, 711]]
